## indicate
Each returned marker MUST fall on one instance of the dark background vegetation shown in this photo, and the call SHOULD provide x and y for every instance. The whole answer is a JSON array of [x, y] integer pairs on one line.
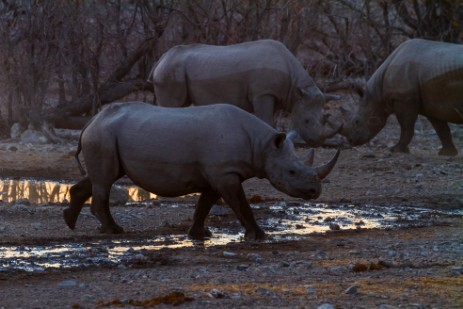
[[61, 60]]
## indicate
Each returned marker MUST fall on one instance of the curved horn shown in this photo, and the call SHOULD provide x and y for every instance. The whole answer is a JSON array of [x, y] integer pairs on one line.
[[324, 170], [310, 156]]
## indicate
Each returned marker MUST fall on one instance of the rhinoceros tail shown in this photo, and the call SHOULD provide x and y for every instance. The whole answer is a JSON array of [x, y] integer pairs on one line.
[[79, 149]]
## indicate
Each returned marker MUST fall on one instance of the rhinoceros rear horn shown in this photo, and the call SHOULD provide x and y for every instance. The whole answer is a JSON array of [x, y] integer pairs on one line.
[[324, 170]]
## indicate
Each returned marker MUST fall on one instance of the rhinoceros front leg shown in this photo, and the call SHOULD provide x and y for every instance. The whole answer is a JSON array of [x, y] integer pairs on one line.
[[264, 107], [100, 208], [443, 132], [203, 207], [406, 116], [79, 192], [233, 194]]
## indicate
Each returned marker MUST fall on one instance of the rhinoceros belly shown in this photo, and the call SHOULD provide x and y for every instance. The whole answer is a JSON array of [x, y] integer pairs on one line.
[[165, 179], [442, 96]]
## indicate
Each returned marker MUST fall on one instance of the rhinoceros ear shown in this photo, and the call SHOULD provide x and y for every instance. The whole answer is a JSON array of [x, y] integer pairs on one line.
[[278, 140]]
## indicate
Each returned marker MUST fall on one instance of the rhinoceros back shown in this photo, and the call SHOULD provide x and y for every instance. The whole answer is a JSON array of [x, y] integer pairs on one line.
[[206, 74]]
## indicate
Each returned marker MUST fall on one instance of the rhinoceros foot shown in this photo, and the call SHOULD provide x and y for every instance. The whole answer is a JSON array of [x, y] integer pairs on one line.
[[199, 234], [256, 234], [448, 151], [70, 217], [400, 149], [112, 229]]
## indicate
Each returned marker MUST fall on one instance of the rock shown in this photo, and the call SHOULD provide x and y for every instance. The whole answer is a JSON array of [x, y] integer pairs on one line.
[[23, 201], [214, 293], [285, 264], [352, 290], [264, 291], [15, 130], [13, 148], [118, 196], [325, 306], [218, 210], [229, 254], [242, 267], [334, 227], [37, 225], [457, 270], [33, 137], [255, 257], [67, 283]]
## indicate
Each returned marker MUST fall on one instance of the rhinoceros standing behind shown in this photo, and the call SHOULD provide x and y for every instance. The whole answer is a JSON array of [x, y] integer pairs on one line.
[[260, 77], [420, 77], [177, 151]]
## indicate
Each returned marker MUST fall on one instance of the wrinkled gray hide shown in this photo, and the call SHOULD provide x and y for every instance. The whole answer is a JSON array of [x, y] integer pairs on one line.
[[260, 77], [420, 77], [177, 151]]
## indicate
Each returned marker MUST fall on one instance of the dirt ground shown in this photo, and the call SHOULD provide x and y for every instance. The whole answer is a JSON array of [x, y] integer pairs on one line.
[[413, 267]]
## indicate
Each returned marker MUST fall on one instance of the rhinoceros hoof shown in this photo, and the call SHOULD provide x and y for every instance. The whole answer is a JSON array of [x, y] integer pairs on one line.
[[448, 152], [199, 234], [114, 229], [255, 235], [400, 149], [70, 218]]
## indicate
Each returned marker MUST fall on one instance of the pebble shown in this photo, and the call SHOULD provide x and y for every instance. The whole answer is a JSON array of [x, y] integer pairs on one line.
[[242, 267], [67, 283], [352, 290], [37, 225], [218, 210], [229, 254], [215, 293], [325, 306], [334, 227], [255, 257]]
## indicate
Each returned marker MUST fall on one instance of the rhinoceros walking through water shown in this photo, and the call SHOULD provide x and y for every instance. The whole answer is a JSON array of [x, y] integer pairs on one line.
[[259, 76], [420, 77], [177, 151]]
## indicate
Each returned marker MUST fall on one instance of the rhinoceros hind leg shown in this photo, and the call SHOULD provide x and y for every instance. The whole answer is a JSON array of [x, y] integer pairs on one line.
[[445, 136], [232, 192], [203, 207], [100, 208], [79, 192]]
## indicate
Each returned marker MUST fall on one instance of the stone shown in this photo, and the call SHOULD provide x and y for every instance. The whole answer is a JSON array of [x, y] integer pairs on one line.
[[326, 306], [352, 290], [33, 137]]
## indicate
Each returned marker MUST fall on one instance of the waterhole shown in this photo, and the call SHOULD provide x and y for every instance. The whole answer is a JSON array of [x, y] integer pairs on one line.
[[286, 221]]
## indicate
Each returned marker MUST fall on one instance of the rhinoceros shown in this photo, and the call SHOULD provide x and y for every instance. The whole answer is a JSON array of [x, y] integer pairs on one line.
[[176, 151], [420, 77], [260, 77]]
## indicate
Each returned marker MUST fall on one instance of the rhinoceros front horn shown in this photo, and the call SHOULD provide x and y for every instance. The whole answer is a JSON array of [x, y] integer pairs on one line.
[[324, 170]]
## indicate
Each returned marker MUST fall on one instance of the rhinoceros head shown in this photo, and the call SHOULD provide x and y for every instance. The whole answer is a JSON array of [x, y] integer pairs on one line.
[[363, 124], [308, 118], [289, 174]]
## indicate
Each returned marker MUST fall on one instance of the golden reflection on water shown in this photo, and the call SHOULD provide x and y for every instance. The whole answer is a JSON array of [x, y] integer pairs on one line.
[[50, 192]]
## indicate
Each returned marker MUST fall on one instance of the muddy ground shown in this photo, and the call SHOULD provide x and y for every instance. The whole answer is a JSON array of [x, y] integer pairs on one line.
[[418, 265]]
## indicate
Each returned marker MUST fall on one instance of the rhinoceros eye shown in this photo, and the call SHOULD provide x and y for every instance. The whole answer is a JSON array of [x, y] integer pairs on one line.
[[292, 173], [306, 121]]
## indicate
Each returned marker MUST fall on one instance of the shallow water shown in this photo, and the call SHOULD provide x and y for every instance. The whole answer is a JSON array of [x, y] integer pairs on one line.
[[54, 192], [289, 222]]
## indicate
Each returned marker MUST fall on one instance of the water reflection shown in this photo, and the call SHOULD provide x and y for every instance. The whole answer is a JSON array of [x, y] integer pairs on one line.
[[288, 222], [54, 192]]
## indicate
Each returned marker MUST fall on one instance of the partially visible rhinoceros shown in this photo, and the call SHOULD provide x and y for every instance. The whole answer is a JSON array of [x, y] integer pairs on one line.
[[260, 77], [177, 151], [420, 77]]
